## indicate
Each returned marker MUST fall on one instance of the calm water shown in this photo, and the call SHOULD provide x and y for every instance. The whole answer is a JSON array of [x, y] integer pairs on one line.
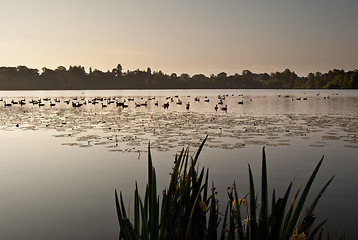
[[61, 164]]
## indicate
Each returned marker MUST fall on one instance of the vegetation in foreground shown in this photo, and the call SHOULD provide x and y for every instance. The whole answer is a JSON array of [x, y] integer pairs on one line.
[[189, 208]]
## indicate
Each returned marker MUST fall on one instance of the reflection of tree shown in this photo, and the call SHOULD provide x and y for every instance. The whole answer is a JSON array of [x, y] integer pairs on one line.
[[75, 77]]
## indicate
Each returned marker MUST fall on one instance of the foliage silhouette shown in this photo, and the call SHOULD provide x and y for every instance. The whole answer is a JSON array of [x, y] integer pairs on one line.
[[75, 77], [190, 210]]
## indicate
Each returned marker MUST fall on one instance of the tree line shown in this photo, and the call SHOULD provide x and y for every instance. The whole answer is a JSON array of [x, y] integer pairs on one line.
[[75, 77]]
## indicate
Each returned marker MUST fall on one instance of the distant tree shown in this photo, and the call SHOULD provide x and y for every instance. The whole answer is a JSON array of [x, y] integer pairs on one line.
[[184, 76], [318, 74], [22, 77], [310, 81], [222, 75], [246, 72], [184, 81], [61, 68], [354, 80], [117, 72], [198, 81], [119, 69], [247, 79]]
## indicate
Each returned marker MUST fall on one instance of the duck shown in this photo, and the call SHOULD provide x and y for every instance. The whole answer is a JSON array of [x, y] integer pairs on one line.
[[166, 105], [119, 104], [76, 105]]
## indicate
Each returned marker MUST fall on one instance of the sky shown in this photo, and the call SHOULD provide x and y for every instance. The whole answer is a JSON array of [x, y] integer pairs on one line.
[[187, 36]]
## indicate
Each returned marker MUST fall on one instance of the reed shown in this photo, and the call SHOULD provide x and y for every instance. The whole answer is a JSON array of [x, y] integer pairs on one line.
[[188, 208]]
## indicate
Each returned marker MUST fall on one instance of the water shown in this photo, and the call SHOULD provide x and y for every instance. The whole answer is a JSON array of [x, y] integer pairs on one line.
[[60, 165]]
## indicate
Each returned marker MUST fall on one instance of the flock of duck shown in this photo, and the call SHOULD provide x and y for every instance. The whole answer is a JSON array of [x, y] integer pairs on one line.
[[104, 102], [131, 130]]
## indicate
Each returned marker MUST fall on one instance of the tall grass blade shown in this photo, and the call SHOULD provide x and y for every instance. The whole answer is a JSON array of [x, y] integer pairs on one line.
[[205, 193], [238, 215], [145, 230], [252, 228], [306, 223], [124, 214], [199, 150], [213, 217], [273, 200], [193, 207], [290, 212], [316, 230], [277, 215], [153, 208], [264, 200], [118, 208], [136, 211], [224, 224], [293, 222]]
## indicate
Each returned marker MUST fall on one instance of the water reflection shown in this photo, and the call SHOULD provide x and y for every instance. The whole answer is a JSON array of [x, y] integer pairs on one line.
[[61, 163]]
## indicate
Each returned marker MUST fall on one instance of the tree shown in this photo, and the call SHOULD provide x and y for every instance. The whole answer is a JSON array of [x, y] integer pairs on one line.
[[117, 72], [61, 69], [246, 72], [310, 82], [119, 69], [222, 75]]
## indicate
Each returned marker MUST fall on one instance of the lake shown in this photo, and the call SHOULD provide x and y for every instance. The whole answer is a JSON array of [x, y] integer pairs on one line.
[[65, 153]]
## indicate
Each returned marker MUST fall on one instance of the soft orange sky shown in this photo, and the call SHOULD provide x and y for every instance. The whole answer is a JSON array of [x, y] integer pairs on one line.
[[202, 36]]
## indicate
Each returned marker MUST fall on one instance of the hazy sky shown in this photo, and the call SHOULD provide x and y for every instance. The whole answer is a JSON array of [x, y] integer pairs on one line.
[[186, 36]]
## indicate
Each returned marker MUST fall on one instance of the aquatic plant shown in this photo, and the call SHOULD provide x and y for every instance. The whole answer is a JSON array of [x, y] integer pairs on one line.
[[189, 208]]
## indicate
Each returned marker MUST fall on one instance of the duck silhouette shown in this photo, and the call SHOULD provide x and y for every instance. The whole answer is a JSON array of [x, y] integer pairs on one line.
[[7, 104]]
